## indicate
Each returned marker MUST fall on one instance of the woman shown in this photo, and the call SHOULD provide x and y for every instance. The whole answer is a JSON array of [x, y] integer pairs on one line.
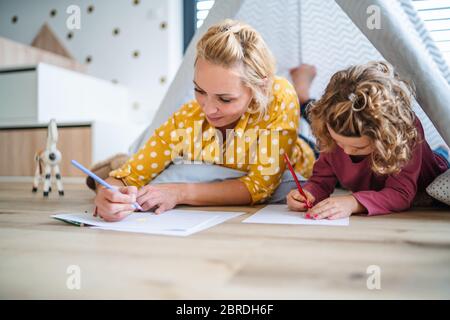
[[243, 117]]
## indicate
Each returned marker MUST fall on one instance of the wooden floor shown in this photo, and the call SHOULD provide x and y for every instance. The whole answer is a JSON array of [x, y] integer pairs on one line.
[[232, 260]]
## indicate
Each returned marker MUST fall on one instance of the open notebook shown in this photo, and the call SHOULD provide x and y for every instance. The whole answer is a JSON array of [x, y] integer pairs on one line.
[[173, 222]]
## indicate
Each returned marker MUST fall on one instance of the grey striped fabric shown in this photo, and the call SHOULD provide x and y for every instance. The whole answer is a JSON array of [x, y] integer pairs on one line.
[[331, 41], [279, 24]]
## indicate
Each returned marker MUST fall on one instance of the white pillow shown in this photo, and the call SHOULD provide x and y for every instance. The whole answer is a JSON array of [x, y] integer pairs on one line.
[[440, 188]]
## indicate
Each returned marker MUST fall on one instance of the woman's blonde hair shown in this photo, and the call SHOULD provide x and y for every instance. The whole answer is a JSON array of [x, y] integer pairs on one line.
[[232, 43], [368, 100]]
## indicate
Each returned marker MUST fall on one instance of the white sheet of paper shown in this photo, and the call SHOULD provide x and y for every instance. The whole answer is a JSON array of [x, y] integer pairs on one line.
[[280, 214], [173, 222], [218, 219]]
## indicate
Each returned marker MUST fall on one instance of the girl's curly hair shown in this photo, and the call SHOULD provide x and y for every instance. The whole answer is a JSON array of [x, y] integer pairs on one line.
[[368, 100]]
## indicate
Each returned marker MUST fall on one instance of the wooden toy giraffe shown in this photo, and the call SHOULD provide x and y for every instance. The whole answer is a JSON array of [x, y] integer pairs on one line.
[[49, 159]]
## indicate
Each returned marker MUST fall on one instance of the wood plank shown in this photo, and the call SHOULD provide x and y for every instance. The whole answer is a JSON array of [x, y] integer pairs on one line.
[[20, 146], [13, 54], [232, 260]]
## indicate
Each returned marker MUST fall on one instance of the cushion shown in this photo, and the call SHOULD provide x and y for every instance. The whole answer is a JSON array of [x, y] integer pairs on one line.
[[440, 188]]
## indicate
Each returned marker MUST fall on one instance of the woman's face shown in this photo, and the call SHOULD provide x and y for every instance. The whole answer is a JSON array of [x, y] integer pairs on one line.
[[221, 93], [353, 146]]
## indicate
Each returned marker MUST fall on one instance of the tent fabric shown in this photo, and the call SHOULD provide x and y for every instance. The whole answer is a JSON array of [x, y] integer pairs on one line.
[[330, 35], [405, 43], [425, 37]]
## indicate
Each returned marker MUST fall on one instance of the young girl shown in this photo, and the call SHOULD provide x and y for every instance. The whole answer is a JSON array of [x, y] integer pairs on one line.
[[371, 142]]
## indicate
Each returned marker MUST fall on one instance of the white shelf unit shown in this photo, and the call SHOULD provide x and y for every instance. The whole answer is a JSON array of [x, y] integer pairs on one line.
[[36, 94]]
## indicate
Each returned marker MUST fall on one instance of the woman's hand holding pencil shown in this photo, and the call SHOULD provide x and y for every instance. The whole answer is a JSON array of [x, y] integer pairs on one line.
[[115, 204]]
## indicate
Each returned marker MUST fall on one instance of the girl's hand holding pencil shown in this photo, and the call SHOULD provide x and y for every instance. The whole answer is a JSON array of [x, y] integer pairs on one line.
[[306, 199], [297, 202]]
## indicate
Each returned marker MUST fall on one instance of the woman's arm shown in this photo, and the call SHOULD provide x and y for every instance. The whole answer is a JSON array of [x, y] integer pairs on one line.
[[112, 181], [163, 197], [159, 151], [228, 192]]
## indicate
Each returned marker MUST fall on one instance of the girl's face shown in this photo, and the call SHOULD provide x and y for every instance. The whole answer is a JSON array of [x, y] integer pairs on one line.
[[353, 146], [221, 93]]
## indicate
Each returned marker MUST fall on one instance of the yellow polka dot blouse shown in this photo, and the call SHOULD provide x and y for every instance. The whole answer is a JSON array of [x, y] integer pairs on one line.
[[256, 145]]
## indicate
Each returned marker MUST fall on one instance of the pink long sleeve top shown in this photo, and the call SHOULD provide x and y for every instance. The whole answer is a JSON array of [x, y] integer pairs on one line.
[[379, 194]]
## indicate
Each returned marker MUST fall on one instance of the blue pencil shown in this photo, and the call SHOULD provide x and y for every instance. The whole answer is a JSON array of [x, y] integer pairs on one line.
[[100, 180]]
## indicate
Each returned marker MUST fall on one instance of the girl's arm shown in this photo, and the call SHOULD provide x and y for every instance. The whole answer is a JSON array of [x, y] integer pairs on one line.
[[398, 192], [323, 180], [336, 208], [399, 189]]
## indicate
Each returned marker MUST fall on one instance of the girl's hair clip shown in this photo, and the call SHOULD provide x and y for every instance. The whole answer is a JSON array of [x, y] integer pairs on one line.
[[353, 97]]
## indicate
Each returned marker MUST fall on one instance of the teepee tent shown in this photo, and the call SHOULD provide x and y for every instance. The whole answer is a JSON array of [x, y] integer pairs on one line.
[[332, 35]]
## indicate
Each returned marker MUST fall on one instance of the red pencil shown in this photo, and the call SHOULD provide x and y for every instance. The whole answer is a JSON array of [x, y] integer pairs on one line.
[[299, 187]]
